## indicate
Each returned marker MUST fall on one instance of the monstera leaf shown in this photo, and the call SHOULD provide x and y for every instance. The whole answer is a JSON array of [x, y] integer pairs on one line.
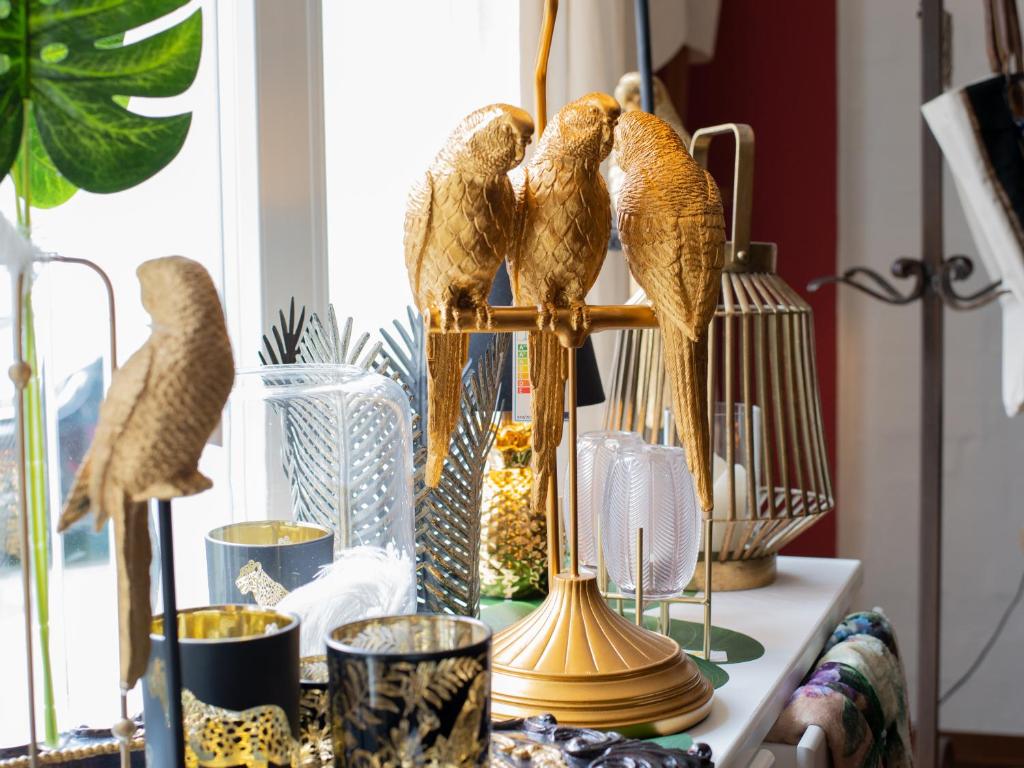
[[65, 61]]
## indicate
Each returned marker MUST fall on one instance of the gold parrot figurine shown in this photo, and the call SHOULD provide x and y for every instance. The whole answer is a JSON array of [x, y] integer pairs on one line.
[[458, 229], [564, 219], [672, 229], [161, 408]]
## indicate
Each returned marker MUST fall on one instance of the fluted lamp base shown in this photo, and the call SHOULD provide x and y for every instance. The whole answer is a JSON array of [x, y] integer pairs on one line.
[[577, 659]]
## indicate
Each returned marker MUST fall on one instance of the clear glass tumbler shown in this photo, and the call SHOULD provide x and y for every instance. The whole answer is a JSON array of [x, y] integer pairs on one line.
[[594, 450], [650, 487]]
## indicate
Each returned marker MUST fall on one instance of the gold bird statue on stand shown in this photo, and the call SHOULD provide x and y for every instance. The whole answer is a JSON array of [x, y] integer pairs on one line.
[[160, 410], [458, 229], [672, 229], [563, 223]]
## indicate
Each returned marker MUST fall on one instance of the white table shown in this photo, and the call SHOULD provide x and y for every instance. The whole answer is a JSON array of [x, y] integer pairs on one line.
[[792, 618]]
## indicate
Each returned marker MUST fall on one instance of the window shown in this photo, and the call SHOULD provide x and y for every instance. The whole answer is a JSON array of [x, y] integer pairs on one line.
[[398, 76], [178, 211]]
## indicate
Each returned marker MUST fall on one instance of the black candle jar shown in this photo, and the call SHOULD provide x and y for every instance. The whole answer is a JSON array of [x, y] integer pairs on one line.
[[410, 690], [240, 687], [261, 561]]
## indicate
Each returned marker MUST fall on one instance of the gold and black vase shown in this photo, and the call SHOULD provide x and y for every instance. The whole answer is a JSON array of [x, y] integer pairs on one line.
[[240, 688], [411, 691]]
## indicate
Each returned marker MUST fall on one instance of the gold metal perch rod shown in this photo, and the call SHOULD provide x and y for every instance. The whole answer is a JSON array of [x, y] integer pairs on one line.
[[506, 319]]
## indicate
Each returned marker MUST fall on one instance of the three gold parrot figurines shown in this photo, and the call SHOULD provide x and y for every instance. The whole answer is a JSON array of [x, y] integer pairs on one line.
[[551, 221]]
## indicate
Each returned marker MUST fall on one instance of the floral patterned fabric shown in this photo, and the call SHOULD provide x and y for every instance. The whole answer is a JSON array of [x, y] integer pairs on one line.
[[857, 694]]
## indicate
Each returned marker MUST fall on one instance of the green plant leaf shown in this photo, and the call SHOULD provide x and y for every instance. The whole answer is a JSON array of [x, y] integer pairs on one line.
[[48, 188], [67, 58]]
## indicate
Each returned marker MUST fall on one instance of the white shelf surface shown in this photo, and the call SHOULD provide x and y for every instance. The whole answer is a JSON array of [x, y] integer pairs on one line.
[[792, 618]]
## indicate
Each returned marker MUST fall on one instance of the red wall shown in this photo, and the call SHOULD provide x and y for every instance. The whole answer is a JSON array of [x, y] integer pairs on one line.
[[776, 70]]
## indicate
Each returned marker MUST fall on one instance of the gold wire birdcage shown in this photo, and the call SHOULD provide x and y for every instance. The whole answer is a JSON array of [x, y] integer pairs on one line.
[[763, 397]]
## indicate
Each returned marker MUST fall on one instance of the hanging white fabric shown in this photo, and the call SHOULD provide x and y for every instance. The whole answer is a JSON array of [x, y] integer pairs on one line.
[[978, 129]]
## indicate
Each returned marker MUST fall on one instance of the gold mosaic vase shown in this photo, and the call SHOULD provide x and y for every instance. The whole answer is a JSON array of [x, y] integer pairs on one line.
[[513, 540]]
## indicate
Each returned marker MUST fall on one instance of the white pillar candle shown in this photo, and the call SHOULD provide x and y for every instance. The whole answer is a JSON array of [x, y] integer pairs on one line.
[[721, 511]]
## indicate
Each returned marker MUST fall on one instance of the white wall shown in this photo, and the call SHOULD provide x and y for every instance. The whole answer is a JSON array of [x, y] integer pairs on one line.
[[879, 369]]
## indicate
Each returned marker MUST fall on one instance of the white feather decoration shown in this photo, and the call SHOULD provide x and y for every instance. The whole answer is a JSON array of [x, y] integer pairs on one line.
[[364, 582], [16, 250]]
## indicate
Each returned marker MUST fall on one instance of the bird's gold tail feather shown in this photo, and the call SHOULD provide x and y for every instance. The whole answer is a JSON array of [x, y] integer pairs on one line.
[[133, 553], [686, 362], [547, 380], [446, 357]]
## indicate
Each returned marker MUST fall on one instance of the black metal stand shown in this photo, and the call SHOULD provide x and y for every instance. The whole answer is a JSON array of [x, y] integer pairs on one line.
[[643, 54], [934, 277], [171, 634]]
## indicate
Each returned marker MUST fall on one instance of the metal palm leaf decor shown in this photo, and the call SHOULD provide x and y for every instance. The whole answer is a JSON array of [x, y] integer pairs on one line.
[[448, 531], [448, 517], [287, 336], [406, 352], [322, 343]]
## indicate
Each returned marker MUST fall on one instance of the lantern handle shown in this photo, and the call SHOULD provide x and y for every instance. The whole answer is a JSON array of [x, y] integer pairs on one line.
[[738, 249]]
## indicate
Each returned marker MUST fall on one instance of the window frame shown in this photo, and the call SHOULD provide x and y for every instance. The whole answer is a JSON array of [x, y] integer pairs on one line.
[[273, 171]]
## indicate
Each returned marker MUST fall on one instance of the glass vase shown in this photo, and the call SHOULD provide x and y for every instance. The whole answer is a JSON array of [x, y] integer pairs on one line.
[[594, 451], [328, 446], [650, 487]]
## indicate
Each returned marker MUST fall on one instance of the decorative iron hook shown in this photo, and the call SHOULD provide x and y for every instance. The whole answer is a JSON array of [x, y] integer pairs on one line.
[[881, 289], [960, 267], [954, 269]]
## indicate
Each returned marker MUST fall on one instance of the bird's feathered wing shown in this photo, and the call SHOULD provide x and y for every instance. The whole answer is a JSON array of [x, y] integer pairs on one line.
[[446, 355], [126, 390], [678, 261], [417, 225], [518, 180]]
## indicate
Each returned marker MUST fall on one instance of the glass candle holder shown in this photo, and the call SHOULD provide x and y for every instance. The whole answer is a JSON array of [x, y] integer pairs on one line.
[[650, 487], [746, 467], [410, 691], [260, 561], [240, 688], [594, 451]]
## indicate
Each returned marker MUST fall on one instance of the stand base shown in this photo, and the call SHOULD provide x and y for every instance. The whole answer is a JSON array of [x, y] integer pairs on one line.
[[577, 659], [735, 575]]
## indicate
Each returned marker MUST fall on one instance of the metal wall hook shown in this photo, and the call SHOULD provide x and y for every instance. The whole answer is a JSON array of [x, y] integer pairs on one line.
[[954, 269], [960, 267], [876, 285]]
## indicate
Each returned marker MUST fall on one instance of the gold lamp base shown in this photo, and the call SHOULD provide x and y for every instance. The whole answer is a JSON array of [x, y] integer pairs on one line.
[[577, 659], [735, 575]]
